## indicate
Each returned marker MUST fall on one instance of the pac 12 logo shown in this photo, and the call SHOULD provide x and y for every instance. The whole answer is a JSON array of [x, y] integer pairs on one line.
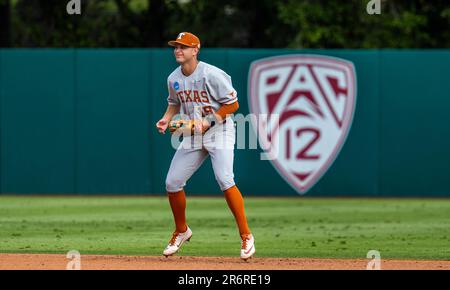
[[309, 101]]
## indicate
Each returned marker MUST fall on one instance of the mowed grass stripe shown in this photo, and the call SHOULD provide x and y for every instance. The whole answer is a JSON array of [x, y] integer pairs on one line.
[[283, 227]]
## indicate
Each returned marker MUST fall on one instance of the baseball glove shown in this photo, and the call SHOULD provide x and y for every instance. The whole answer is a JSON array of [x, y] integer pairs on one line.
[[184, 127]]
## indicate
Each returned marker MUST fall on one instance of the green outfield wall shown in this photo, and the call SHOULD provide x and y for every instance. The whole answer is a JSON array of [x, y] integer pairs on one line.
[[82, 121]]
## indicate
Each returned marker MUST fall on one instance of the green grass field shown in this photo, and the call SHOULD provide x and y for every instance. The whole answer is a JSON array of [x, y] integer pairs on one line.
[[283, 227]]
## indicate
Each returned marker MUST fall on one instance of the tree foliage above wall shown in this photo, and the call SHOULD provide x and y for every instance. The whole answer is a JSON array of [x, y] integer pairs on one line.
[[233, 23]]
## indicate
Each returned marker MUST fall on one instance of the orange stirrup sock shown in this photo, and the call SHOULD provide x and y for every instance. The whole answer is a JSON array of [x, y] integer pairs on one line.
[[178, 204], [236, 205]]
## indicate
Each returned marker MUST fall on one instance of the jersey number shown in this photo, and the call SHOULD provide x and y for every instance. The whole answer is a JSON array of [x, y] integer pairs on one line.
[[207, 110]]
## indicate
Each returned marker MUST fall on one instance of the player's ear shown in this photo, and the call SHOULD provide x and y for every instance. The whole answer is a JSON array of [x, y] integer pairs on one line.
[[196, 51]]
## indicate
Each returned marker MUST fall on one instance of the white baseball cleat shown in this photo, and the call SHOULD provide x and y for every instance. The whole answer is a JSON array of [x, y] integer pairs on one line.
[[247, 246], [176, 241]]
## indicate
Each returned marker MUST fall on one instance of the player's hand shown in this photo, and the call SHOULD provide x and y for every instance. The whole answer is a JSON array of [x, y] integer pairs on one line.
[[209, 121], [161, 125], [205, 125]]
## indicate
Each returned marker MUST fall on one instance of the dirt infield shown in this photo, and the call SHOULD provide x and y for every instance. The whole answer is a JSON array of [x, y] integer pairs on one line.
[[97, 262]]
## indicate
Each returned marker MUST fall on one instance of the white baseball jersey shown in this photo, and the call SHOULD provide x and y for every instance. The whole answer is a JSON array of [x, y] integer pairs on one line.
[[201, 93]]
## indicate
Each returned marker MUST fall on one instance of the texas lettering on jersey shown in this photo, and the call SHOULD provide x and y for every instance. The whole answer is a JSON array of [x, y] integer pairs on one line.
[[198, 98], [193, 96], [313, 98]]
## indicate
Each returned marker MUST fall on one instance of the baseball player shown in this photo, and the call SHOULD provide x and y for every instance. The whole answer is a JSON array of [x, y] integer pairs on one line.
[[202, 92]]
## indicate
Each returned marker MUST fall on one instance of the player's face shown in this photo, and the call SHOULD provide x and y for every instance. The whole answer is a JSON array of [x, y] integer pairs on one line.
[[184, 53]]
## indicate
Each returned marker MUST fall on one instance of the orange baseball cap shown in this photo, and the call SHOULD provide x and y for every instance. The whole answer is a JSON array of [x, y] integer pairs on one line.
[[186, 38]]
